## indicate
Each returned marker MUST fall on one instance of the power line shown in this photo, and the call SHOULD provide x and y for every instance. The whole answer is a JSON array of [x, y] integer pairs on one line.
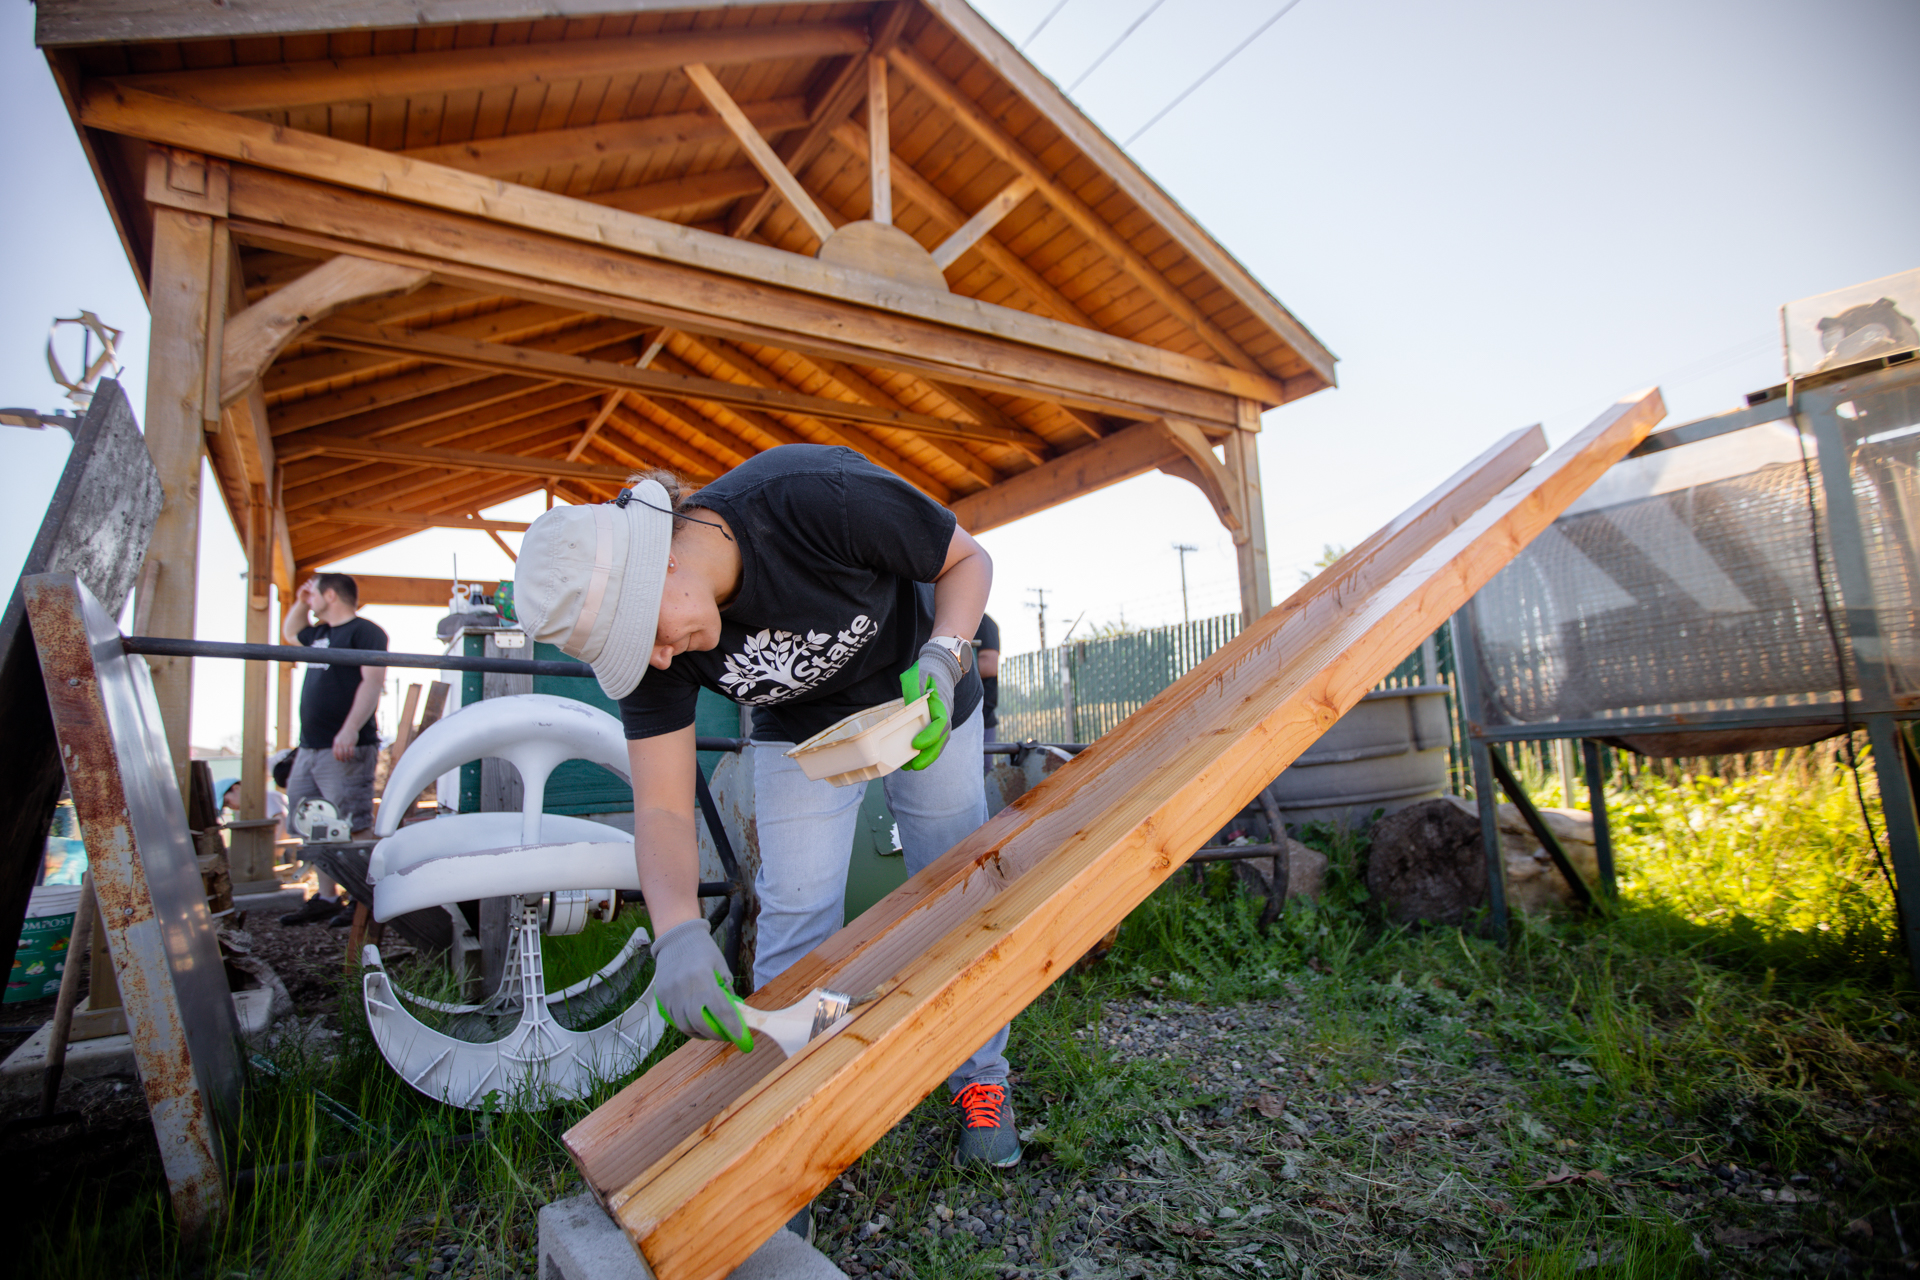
[[1115, 45], [1237, 51], [1051, 15]]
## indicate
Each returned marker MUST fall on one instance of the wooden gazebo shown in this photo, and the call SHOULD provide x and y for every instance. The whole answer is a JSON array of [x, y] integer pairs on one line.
[[410, 258]]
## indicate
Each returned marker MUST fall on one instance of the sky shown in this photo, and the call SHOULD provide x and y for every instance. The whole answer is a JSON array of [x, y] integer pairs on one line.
[[1495, 212]]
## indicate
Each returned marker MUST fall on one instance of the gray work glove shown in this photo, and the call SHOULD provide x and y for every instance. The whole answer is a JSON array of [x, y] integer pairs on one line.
[[936, 672], [691, 986]]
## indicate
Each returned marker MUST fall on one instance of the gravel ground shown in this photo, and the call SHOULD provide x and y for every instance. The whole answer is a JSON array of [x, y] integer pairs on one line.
[[1273, 1165]]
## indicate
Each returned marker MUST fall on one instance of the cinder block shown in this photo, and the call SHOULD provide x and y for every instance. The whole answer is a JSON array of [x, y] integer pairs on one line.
[[578, 1241]]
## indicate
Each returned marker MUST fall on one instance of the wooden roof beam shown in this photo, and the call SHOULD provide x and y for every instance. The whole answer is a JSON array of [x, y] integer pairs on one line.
[[1140, 448], [446, 389], [707, 430], [860, 385], [763, 157], [859, 441], [930, 198], [251, 339], [677, 195], [329, 444], [517, 324], [283, 85], [315, 477], [682, 457], [1002, 203], [499, 357], [591, 144], [347, 513], [990, 134], [831, 106]]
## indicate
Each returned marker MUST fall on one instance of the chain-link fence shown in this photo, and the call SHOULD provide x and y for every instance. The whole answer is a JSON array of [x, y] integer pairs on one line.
[[1076, 692]]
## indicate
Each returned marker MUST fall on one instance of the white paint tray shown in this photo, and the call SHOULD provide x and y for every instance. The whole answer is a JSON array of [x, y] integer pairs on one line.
[[868, 744]]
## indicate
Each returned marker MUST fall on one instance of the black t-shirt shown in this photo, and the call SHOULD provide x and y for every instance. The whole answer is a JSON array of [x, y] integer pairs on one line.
[[988, 637], [837, 558], [327, 695]]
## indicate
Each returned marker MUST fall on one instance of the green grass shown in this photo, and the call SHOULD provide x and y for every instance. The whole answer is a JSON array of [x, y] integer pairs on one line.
[[1744, 1009]]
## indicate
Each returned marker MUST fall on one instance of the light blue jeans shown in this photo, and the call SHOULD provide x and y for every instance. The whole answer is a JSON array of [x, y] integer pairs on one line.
[[806, 842]]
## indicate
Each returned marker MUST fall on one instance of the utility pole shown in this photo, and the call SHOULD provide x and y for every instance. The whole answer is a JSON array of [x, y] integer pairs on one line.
[[1042, 607], [1183, 548]]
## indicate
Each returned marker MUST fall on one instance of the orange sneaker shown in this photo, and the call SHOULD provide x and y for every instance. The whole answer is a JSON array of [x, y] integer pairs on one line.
[[987, 1133]]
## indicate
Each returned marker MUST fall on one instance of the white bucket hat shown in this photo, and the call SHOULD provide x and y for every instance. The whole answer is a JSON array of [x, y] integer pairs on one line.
[[590, 580]]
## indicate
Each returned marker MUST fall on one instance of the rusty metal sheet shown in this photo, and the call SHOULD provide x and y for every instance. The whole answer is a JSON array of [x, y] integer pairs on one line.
[[97, 525], [186, 1037]]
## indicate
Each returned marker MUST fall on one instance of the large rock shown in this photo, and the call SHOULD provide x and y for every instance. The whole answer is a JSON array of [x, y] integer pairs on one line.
[[1306, 872], [1426, 864], [1534, 884]]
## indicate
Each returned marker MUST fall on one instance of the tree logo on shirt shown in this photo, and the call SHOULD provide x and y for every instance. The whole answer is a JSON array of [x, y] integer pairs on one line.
[[790, 664]]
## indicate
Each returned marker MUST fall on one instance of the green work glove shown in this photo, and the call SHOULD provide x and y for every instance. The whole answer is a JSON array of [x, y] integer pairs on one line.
[[690, 982], [935, 674]]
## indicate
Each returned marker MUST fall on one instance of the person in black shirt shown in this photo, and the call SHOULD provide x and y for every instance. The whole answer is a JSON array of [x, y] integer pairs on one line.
[[807, 584], [986, 657], [339, 740]]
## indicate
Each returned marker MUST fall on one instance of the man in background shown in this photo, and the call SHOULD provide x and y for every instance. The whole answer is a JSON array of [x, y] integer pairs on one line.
[[986, 645], [339, 741]]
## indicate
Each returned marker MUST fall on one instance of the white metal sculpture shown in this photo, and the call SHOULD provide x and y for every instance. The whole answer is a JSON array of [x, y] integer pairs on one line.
[[577, 866]]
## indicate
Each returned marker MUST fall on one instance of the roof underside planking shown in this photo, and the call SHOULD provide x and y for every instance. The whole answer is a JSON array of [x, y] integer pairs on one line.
[[540, 251]]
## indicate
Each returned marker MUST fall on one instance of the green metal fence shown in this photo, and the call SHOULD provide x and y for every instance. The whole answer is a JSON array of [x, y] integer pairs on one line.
[[1076, 692]]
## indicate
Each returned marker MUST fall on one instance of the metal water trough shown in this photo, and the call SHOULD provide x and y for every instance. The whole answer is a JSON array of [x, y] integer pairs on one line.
[[1390, 751]]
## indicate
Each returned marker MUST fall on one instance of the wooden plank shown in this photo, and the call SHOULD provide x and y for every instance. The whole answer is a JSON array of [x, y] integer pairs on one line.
[[431, 593], [1121, 456], [605, 411], [879, 171], [1002, 203], [113, 107], [990, 134], [521, 325], [250, 852], [254, 337], [642, 1125], [1006, 61], [591, 144], [970, 940], [502, 358], [283, 85], [762, 155]]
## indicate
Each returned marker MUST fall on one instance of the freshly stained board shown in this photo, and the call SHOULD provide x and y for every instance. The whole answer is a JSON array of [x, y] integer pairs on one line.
[[710, 1152]]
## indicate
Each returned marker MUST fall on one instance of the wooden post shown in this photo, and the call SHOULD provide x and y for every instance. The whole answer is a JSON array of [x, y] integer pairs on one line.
[[880, 153], [251, 853], [180, 284], [283, 703], [1250, 540]]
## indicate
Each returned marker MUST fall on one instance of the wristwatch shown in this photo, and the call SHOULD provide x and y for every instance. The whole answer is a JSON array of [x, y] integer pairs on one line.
[[962, 650]]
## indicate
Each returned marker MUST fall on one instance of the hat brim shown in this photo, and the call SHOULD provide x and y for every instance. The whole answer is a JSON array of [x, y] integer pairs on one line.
[[624, 658]]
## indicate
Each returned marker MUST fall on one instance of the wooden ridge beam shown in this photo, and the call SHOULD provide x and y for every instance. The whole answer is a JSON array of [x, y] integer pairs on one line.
[[713, 1149], [990, 134], [770, 273], [256, 335], [282, 85], [511, 430], [590, 144], [382, 589]]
